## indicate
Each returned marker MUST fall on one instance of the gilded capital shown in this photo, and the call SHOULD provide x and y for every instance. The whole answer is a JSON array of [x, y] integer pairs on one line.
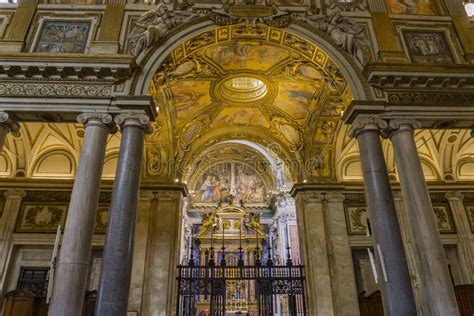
[[400, 125], [366, 124], [454, 196], [14, 194], [7, 121], [136, 119]]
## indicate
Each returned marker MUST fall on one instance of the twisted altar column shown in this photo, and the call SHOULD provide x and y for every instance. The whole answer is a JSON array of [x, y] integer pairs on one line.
[[115, 276], [437, 292], [71, 275], [392, 267]]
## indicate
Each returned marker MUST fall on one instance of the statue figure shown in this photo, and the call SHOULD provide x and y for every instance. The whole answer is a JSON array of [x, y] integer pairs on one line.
[[154, 25], [346, 33], [252, 222], [209, 221]]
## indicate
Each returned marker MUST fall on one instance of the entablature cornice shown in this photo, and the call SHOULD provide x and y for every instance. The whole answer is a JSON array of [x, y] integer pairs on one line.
[[433, 110], [66, 67], [388, 76]]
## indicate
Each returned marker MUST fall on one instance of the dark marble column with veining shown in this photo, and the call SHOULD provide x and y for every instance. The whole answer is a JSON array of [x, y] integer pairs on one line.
[[115, 276], [392, 267], [7, 125], [70, 279], [435, 283]]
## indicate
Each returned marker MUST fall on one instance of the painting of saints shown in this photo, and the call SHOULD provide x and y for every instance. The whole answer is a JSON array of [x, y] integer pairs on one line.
[[210, 189], [63, 37], [422, 7]]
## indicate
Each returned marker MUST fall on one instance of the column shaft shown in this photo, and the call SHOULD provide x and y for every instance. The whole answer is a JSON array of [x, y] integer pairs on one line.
[[71, 274], [435, 282], [114, 282], [397, 294], [6, 126]]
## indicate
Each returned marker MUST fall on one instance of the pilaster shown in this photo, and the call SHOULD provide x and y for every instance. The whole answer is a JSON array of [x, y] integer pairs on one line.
[[312, 228], [108, 40], [466, 237], [162, 254], [8, 219], [463, 27], [145, 200], [343, 282], [17, 30]]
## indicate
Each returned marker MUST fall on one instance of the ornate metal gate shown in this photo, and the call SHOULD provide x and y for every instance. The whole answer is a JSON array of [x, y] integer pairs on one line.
[[260, 289]]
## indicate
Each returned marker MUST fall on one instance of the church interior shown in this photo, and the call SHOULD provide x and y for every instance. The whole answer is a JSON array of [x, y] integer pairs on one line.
[[237, 157]]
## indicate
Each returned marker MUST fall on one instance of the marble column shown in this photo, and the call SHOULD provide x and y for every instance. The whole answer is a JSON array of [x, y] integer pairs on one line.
[[312, 230], [7, 125], [466, 237], [435, 283], [397, 294], [162, 255], [71, 272], [8, 218], [346, 300], [116, 271]]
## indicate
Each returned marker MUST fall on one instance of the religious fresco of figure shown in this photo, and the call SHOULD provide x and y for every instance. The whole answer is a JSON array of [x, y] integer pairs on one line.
[[254, 56], [428, 47], [470, 215], [295, 98], [421, 7], [191, 96], [41, 218], [63, 37], [241, 116], [224, 179]]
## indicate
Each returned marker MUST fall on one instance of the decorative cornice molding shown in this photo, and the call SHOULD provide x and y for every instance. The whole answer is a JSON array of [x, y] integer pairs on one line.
[[72, 67], [63, 89], [366, 124]]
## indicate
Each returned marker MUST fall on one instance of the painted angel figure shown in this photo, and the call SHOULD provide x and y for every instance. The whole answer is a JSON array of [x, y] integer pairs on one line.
[[155, 24], [346, 33]]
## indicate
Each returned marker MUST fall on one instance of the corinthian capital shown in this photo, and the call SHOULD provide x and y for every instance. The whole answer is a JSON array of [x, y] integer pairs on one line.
[[7, 121], [366, 124], [400, 125], [136, 119]]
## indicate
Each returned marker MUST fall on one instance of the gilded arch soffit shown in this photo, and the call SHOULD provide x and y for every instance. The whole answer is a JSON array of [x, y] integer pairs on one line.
[[212, 80]]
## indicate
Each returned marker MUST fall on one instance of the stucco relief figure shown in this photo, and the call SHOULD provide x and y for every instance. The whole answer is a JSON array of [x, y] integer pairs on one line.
[[154, 25], [346, 33], [209, 221]]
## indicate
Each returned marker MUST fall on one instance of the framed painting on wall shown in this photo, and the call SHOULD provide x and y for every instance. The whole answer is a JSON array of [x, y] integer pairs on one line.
[[419, 7], [63, 36], [38, 217], [101, 219], [428, 47], [356, 218]]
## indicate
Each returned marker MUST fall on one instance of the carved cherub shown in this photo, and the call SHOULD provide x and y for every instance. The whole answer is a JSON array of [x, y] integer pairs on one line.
[[155, 24]]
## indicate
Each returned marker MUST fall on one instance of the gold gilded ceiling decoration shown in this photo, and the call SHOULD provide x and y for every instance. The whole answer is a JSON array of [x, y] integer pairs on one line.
[[255, 82], [342, 31]]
